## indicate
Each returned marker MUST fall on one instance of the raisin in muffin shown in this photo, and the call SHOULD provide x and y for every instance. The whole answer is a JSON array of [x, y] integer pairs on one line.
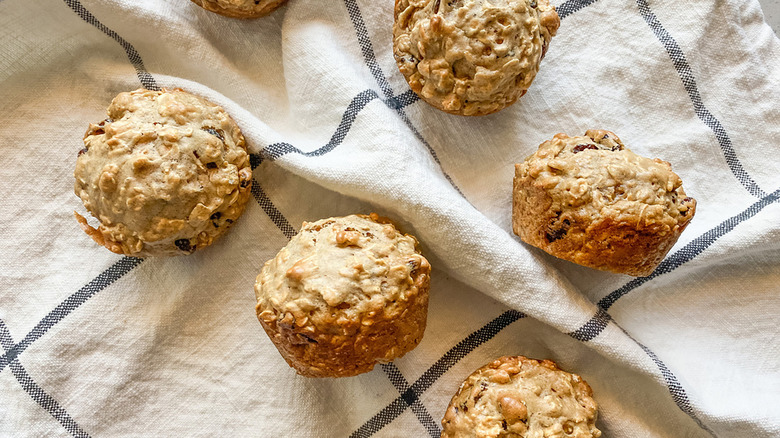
[[519, 397], [165, 174], [592, 201], [344, 294], [240, 8], [471, 57]]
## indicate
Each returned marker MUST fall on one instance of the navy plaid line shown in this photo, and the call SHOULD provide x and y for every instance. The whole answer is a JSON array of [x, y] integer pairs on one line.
[[43, 399], [689, 82], [270, 209], [367, 47], [589, 331], [676, 390], [106, 278], [277, 150], [599, 322], [592, 328], [5, 336], [359, 102], [595, 325], [391, 371], [571, 6], [46, 401], [453, 356], [146, 79], [419, 410], [390, 412], [382, 418], [692, 249], [405, 99], [370, 59]]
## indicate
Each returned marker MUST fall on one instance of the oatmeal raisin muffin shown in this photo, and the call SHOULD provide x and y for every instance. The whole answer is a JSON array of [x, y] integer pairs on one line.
[[240, 8], [471, 57], [519, 397], [592, 201], [344, 294], [165, 174]]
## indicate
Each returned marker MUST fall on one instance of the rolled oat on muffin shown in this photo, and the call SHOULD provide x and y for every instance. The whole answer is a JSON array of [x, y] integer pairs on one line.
[[240, 8], [345, 294], [165, 174], [514, 396], [592, 201], [471, 57]]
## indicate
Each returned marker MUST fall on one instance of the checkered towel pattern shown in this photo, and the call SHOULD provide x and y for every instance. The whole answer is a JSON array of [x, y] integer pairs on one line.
[[95, 344]]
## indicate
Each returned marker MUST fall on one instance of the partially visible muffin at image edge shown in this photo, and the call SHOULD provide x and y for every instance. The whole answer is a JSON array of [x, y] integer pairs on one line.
[[240, 8], [165, 174], [590, 200], [345, 294], [514, 396], [471, 57]]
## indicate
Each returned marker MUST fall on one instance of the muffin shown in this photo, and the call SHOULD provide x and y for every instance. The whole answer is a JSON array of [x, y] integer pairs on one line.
[[471, 57], [240, 8], [519, 397], [592, 201], [343, 295], [165, 174]]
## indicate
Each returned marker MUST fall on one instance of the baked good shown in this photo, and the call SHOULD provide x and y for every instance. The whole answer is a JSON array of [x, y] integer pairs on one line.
[[165, 174], [240, 8], [344, 294], [592, 201], [471, 57], [514, 396]]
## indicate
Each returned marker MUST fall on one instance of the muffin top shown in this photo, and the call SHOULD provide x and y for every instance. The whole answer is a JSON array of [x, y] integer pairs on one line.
[[349, 266], [472, 57], [240, 8], [595, 176], [517, 396], [164, 174]]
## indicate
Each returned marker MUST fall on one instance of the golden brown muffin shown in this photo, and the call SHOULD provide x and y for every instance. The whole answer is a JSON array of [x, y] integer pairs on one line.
[[472, 57], [343, 295], [165, 174], [240, 8], [514, 396], [592, 201]]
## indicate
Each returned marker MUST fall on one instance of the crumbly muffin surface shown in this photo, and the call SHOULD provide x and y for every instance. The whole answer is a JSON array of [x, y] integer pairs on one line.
[[240, 8], [590, 200], [519, 397], [471, 57], [344, 294], [165, 174]]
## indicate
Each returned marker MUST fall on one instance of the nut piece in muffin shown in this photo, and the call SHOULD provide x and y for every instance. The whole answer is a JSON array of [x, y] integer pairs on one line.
[[514, 396], [240, 8], [472, 57], [343, 295], [165, 174], [592, 201]]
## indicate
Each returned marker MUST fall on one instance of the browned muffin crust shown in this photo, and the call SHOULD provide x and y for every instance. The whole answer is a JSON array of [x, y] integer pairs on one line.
[[166, 174], [240, 8], [345, 294], [514, 396], [592, 201], [471, 57]]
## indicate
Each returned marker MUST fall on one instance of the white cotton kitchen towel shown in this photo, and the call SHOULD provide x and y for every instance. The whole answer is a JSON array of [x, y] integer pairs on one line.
[[95, 344]]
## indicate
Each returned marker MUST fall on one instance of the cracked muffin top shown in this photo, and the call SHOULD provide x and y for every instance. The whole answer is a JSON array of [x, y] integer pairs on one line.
[[344, 294], [514, 396], [590, 200], [471, 57], [165, 174], [240, 8]]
